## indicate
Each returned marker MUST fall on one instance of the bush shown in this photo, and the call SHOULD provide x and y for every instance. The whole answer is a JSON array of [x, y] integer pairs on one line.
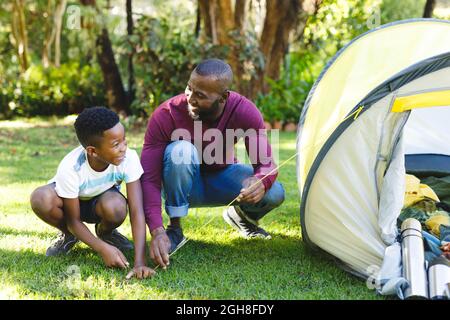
[[52, 91], [393, 10], [340, 21], [165, 57], [286, 96]]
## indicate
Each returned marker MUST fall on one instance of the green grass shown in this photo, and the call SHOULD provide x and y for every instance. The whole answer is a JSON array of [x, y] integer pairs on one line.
[[214, 264]]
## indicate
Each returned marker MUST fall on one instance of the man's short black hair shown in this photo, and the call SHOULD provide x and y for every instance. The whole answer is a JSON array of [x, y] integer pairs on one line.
[[92, 122], [216, 68]]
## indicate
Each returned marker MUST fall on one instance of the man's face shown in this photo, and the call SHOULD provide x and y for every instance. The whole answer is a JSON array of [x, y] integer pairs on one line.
[[112, 146], [205, 97]]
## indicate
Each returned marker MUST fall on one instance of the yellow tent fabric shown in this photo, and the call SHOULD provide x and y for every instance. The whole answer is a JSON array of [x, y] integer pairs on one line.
[[436, 221], [439, 98], [416, 191], [362, 66]]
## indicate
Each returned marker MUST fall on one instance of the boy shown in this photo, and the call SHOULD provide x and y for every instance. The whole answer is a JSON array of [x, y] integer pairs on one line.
[[86, 189]]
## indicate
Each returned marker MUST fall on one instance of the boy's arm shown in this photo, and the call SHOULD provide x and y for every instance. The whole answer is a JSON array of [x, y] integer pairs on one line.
[[111, 255], [138, 228]]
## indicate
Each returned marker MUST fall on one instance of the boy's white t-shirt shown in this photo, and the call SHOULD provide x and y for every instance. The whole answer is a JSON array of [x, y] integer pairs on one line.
[[76, 179]]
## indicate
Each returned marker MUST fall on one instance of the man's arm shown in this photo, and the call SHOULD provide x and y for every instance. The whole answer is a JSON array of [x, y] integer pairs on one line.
[[111, 255], [134, 193], [156, 139], [159, 247], [252, 192], [263, 164], [151, 160], [260, 154]]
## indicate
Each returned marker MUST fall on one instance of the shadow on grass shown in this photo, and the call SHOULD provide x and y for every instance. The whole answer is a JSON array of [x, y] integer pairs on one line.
[[256, 269], [50, 277], [239, 269]]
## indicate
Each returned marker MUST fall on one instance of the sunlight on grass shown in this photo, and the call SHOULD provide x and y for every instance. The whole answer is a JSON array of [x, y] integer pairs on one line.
[[16, 192], [216, 263], [38, 122]]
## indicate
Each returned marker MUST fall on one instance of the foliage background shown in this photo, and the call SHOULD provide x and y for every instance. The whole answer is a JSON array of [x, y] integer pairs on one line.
[[165, 48]]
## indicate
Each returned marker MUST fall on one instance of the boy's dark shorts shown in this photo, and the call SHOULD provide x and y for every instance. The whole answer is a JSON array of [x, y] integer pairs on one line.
[[87, 207]]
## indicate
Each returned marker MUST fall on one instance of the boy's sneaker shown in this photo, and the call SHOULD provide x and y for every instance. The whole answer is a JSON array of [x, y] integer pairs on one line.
[[116, 239], [176, 237], [61, 245], [247, 227]]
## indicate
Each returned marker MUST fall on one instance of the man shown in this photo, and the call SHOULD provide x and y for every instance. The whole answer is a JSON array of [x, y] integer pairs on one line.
[[200, 170]]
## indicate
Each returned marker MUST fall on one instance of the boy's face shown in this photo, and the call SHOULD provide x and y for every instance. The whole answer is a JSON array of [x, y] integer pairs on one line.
[[112, 146]]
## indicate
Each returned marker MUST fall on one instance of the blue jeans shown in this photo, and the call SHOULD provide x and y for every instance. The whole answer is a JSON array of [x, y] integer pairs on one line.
[[185, 186]]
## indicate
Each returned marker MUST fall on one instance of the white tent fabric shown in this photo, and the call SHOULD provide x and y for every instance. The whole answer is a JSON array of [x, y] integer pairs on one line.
[[428, 131], [342, 206]]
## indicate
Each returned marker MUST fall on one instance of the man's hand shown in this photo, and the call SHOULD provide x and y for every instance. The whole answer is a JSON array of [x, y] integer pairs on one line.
[[159, 247], [113, 257], [252, 192], [140, 272]]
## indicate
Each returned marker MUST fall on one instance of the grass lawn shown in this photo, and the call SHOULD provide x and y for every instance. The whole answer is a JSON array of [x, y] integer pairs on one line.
[[215, 264]]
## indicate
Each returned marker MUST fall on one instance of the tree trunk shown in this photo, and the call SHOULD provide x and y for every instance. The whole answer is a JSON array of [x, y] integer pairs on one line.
[[282, 18], [198, 21], [59, 13], [48, 35], [115, 92], [203, 6], [236, 47], [280, 45], [225, 21], [130, 27], [19, 33], [218, 20], [429, 8], [240, 14]]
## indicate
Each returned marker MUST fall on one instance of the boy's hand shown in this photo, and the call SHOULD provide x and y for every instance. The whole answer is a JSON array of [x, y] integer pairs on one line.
[[253, 191], [159, 247], [113, 257], [140, 272]]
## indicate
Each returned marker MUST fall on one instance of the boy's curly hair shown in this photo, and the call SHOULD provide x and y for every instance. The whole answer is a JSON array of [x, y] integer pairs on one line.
[[92, 122]]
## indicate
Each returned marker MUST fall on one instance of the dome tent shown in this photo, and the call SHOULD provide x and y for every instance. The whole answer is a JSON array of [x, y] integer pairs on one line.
[[383, 96]]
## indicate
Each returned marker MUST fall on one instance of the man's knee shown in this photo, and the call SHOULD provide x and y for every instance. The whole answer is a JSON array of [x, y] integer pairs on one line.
[[181, 152], [44, 199], [112, 208], [180, 164], [275, 196]]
